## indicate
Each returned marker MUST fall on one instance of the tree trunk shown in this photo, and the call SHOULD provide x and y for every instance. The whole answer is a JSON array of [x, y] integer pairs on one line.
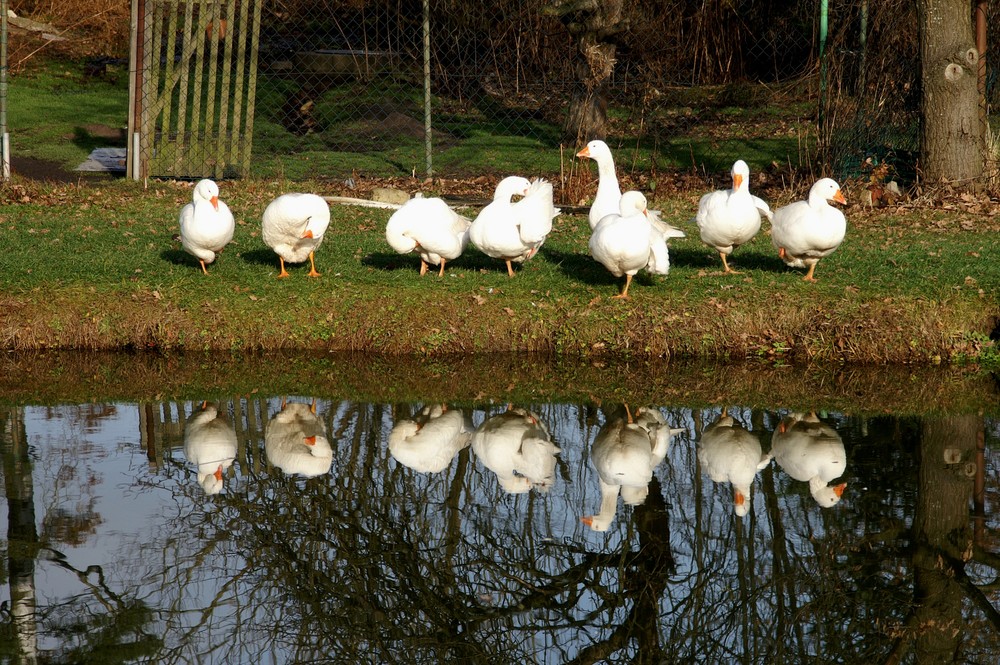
[[942, 534], [952, 136], [590, 23], [587, 117]]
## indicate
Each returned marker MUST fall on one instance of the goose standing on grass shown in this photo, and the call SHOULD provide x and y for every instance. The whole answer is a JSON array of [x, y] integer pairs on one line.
[[428, 442], [731, 454], [809, 450], [513, 232], [293, 226], [609, 193], [206, 223], [209, 444], [516, 446], [728, 218], [626, 241], [805, 231], [624, 453], [295, 440], [429, 228]]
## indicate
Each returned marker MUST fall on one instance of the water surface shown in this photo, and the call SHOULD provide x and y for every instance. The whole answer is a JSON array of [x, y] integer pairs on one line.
[[477, 530]]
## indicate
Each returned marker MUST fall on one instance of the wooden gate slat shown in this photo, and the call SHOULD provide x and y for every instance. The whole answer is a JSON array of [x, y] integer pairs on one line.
[[195, 112]]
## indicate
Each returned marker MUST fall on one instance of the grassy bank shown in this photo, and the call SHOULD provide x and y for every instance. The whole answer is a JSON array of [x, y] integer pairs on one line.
[[60, 377], [98, 267]]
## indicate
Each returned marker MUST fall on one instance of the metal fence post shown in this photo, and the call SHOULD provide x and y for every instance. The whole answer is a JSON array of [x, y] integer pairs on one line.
[[4, 135], [427, 86]]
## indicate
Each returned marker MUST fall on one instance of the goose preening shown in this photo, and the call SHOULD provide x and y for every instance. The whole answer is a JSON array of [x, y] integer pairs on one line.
[[295, 440], [516, 446], [513, 232], [626, 241], [209, 444], [805, 231], [430, 229], [809, 450], [728, 218], [293, 226], [429, 441], [206, 223], [731, 454], [625, 452]]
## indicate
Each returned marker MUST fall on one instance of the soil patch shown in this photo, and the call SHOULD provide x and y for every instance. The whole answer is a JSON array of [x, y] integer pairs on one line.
[[42, 169]]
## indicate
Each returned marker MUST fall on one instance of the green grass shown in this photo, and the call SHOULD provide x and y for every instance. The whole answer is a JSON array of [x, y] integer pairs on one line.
[[99, 269], [68, 104]]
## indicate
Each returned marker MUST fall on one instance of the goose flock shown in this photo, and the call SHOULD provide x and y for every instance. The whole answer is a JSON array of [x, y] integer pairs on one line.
[[626, 236], [516, 446]]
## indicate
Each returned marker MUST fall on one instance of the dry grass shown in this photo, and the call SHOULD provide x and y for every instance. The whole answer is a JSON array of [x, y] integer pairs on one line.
[[91, 28]]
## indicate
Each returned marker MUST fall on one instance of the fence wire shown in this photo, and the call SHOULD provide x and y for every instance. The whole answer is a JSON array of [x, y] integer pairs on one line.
[[336, 88]]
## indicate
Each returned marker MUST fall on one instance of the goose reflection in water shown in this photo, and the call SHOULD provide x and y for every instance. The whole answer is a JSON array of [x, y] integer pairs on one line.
[[731, 454], [209, 444], [811, 451], [295, 440], [429, 441], [625, 452], [517, 447]]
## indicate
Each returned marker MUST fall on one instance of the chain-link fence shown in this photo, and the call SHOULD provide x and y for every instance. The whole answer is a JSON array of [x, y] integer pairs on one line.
[[338, 88], [502, 76]]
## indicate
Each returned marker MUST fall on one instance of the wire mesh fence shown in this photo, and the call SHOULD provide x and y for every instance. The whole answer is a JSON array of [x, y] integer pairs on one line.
[[336, 88], [394, 87]]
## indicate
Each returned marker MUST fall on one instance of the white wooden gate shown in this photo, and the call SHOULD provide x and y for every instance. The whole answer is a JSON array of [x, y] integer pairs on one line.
[[192, 89]]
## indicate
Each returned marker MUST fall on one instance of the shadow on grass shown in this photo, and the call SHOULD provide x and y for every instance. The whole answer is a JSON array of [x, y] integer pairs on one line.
[[260, 257], [581, 267], [179, 257], [393, 262]]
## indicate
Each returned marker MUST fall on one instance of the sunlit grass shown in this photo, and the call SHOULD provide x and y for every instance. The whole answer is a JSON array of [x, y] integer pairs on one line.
[[102, 267]]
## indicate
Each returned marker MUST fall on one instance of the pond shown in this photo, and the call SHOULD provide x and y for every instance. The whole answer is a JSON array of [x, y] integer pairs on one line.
[[277, 526]]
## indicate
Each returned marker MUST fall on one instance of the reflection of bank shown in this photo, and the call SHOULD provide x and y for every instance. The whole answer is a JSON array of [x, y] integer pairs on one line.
[[209, 444], [295, 440], [517, 447], [430, 440], [728, 453], [625, 452], [809, 450]]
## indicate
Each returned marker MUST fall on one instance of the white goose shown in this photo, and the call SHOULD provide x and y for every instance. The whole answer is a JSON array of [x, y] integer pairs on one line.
[[624, 242], [811, 451], [731, 454], [295, 441], [608, 198], [728, 218], [209, 444], [206, 223], [805, 231], [609, 193], [513, 232], [429, 442], [516, 446], [293, 226], [625, 452], [429, 228]]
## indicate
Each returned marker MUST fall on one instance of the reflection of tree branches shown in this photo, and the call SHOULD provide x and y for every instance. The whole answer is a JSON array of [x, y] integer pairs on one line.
[[121, 630]]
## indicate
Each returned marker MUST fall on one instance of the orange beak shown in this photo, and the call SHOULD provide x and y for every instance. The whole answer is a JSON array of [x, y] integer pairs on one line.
[[310, 440], [737, 180], [308, 234], [739, 498], [218, 473], [839, 489], [839, 197], [589, 520], [585, 152], [215, 202]]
